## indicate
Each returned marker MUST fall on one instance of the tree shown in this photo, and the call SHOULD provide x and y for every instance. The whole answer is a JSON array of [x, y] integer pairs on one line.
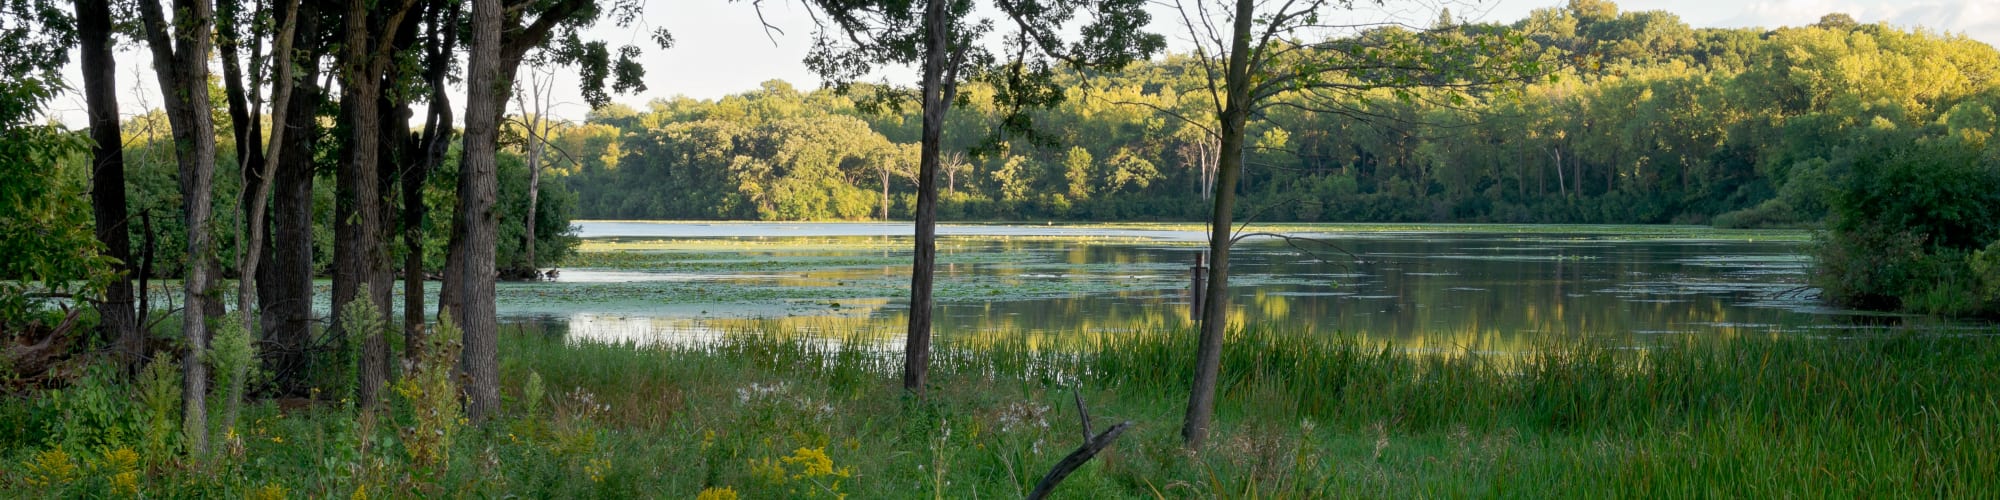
[[182, 70], [360, 257], [107, 188], [1263, 56], [941, 37], [499, 42], [256, 187], [475, 224], [422, 153], [44, 233], [535, 105], [285, 285]]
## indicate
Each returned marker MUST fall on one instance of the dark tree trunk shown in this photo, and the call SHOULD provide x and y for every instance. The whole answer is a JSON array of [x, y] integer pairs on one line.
[[427, 151], [1214, 317], [477, 221], [470, 266], [285, 286], [107, 182], [357, 247], [936, 102], [256, 187], [394, 164], [360, 262], [243, 119], [183, 76]]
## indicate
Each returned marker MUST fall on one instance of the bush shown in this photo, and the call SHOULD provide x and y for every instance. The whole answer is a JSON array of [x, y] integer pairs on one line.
[[1914, 229]]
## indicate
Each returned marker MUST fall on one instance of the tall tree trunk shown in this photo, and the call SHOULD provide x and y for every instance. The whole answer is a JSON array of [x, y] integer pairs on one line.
[[107, 181], [937, 47], [357, 225], [1214, 316], [286, 291], [255, 188], [183, 75], [477, 221], [470, 266], [360, 262], [429, 150]]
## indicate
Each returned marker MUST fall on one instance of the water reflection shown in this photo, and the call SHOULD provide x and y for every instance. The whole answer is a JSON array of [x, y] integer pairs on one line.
[[1445, 291]]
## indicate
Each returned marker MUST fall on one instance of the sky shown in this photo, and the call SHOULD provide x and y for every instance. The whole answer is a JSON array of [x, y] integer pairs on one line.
[[722, 47]]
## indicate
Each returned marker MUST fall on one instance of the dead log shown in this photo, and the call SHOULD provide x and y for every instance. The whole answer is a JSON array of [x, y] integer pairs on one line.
[[30, 359], [1092, 444]]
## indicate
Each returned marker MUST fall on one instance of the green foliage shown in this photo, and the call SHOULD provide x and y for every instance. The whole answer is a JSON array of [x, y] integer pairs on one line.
[[45, 222], [232, 355], [555, 239], [1912, 227], [360, 320], [94, 412], [159, 393], [1674, 125], [429, 400]]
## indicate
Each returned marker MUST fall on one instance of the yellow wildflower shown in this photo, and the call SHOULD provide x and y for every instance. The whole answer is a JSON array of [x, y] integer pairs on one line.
[[273, 491], [122, 459], [125, 483], [50, 468], [812, 462], [723, 493]]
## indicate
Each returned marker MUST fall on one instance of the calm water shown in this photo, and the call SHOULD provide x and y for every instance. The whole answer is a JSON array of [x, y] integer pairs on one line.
[[1450, 287]]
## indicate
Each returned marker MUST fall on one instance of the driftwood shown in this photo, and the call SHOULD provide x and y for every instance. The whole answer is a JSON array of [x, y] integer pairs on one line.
[[1092, 444]]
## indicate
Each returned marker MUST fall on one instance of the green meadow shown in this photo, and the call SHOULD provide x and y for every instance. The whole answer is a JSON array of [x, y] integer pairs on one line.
[[765, 413]]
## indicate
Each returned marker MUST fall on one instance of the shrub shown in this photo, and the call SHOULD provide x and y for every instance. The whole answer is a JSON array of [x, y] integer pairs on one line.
[[1907, 231]]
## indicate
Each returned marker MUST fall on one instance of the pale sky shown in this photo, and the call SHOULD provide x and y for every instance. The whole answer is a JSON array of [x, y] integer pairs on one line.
[[723, 49]]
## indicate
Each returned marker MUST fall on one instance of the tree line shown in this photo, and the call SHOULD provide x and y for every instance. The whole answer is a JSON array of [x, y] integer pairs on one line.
[[1656, 122]]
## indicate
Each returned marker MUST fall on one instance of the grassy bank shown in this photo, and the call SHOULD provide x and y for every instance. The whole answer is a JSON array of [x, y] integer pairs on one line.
[[769, 415]]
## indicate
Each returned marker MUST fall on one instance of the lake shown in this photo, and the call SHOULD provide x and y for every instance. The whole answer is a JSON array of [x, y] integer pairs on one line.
[[1446, 287]]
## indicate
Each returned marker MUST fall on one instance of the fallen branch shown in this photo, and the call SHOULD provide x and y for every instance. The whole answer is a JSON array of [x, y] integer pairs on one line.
[[1091, 446]]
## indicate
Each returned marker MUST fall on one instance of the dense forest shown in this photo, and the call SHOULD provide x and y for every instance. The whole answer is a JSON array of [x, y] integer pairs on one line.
[[1651, 122]]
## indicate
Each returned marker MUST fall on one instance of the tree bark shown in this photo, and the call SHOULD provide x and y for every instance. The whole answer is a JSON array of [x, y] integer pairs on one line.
[[107, 189], [286, 290], [429, 150], [917, 345], [360, 262], [470, 267], [477, 221], [183, 75], [1214, 318], [255, 188], [243, 119]]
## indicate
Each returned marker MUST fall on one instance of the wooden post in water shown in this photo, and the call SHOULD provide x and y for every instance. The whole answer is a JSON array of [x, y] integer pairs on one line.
[[1197, 287]]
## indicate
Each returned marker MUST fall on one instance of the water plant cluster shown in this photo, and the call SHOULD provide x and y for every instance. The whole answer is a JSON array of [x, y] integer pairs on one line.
[[769, 413]]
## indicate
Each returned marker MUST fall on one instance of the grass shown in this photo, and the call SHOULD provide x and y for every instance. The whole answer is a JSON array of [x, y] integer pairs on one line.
[[768, 413]]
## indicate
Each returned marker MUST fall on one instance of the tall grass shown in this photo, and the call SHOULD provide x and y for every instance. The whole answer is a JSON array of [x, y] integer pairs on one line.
[[776, 413]]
